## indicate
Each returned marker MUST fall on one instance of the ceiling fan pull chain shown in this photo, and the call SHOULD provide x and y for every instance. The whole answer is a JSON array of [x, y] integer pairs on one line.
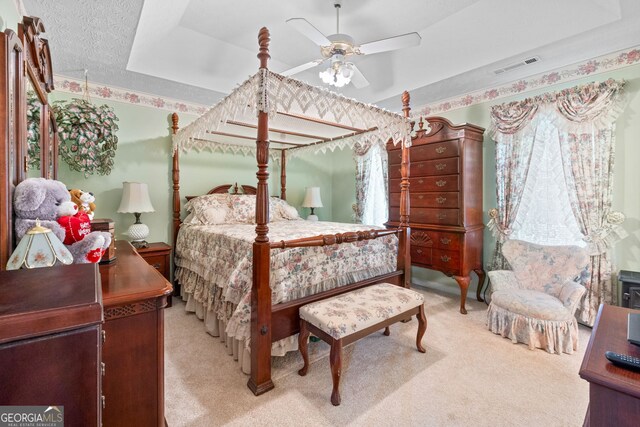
[[337, 5]]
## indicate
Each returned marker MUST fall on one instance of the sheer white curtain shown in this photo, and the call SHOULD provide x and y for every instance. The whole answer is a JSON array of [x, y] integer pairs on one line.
[[545, 216], [372, 204]]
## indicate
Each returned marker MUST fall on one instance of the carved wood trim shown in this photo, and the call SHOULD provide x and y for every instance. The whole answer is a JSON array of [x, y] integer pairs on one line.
[[420, 238], [132, 309]]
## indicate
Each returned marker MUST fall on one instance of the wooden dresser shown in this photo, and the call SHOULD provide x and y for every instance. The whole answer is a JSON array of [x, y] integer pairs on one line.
[[445, 198], [614, 392], [157, 255], [134, 295], [50, 340]]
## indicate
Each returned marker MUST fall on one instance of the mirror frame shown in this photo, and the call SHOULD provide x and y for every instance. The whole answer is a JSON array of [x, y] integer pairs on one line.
[[37, 56], [12, 135]]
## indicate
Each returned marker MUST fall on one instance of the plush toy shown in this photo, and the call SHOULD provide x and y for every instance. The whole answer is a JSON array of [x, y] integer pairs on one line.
[[84, 200], [48, 200]]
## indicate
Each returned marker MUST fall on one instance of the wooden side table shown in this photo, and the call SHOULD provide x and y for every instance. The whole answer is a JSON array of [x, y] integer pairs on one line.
[[134, 297], [157, 255]]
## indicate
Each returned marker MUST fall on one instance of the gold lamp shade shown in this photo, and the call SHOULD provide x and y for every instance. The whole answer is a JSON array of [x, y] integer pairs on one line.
[[39, 247]]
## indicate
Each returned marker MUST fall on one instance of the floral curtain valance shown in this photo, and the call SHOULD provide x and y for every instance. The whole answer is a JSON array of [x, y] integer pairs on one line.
[[593, 104]]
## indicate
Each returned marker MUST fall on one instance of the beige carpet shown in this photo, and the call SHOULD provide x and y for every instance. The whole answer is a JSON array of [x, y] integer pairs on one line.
[[468, 377]]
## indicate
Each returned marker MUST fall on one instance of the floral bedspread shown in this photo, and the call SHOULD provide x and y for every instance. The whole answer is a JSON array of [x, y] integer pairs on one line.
[[214, 265]]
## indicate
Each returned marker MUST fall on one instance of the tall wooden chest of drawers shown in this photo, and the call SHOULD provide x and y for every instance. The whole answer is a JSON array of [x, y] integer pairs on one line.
[[445, 184]]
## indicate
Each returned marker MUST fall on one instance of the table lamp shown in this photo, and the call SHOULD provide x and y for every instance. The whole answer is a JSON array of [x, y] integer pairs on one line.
[[135, 200], [312, 200]]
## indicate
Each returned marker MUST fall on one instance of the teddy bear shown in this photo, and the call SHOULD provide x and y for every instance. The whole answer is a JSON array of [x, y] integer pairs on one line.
[[48, 200], [85, 201]]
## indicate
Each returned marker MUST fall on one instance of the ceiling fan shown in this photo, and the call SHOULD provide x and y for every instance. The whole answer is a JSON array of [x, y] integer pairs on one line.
[[338, 48]]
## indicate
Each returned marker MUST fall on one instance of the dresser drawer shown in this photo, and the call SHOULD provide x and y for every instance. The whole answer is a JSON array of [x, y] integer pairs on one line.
[[421, 255], [446, 261], [429, 183], [159, 262], [436, 239], [428, 216], [428, 200], [436, 150], [448, 166]]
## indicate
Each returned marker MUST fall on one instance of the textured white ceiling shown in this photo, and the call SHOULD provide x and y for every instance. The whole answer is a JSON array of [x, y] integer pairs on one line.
[[199, 50]]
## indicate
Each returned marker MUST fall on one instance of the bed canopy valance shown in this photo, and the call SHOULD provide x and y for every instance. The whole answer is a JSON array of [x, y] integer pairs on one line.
[[302, 118]]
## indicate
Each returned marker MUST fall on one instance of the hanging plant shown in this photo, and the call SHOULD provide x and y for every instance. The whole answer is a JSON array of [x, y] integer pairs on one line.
[[33, 130], [87, 134]]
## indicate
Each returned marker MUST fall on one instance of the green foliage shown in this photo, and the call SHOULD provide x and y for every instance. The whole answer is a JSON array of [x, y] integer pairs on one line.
[[87, 134]]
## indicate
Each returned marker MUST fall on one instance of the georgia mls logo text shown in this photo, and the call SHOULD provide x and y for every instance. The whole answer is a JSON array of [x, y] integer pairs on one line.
[[31, 416]]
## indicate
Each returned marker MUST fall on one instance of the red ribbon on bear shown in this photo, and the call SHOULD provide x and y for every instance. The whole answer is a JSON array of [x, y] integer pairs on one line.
[[76, 227]]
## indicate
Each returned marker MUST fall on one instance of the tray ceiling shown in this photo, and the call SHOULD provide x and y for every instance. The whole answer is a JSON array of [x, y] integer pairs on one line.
[[199, 50]]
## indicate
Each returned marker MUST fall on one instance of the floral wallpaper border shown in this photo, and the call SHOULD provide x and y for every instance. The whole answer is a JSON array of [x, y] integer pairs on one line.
[[69, 85], [601, 64], [609, 62]]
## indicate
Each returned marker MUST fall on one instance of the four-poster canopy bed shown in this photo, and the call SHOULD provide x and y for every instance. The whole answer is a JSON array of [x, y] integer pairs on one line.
[[290, 117]]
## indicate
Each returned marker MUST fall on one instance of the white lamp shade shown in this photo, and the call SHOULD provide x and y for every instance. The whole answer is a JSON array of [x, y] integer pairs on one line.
[[135, 198], [312, 198]]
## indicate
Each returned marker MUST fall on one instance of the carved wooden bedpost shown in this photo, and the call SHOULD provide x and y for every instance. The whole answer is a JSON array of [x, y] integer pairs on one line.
[[260, 380], [404, 252], [283, 174], [176, 183]]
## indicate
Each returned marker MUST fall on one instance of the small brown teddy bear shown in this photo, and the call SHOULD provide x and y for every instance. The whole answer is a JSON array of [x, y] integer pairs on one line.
[[84, 200]]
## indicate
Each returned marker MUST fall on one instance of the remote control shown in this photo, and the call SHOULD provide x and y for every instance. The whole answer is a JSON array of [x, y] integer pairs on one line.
[[622, 360]]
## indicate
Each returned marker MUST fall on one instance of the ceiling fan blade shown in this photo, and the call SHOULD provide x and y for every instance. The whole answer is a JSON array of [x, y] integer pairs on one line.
[[392, 43], [358, 79], [308, 30], [301, 68]]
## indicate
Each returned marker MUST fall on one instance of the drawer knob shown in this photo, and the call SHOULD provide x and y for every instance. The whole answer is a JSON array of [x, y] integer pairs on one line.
[[441, 200], [156, 266], [421, 165], [441, 215], [445, 240], [441, 183], [103, 368], [441, 166], [421, 196], [419, 251], [420, 181], [445, 258], [441, 150]]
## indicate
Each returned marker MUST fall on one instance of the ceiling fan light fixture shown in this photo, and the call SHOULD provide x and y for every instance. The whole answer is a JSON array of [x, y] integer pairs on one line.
[[338, 74]]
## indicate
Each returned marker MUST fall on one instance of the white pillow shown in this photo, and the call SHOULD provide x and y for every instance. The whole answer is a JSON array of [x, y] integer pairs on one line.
[[214, 215], [192, 219], [289, 212]]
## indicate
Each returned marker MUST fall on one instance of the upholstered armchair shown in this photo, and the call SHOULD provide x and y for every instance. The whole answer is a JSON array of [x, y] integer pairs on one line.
[[535, 302]]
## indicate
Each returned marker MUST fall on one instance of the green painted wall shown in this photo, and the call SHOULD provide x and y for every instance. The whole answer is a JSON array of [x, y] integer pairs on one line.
[[143, 155]]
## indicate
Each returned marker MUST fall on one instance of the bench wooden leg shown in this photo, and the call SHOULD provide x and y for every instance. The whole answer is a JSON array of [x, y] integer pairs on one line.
[[335, 358], [422, 327], [303, 339], [387, 331]]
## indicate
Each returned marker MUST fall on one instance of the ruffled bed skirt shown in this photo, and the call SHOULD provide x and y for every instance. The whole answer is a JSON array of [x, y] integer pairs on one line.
[[554, 336], [239, 349]]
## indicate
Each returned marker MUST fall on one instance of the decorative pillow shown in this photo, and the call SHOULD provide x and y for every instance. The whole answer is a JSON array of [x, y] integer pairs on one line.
[[243, 208], [281, 210], [210, 209], [214, 215], [192, 219]]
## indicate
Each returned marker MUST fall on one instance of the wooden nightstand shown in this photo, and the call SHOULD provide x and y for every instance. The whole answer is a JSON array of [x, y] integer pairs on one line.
[[157, 255]]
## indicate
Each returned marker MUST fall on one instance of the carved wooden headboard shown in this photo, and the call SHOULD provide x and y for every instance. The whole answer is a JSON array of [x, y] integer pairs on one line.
[[231, 189]]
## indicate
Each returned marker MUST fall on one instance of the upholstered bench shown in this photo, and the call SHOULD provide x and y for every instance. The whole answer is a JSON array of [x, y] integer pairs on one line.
[[346, 318]]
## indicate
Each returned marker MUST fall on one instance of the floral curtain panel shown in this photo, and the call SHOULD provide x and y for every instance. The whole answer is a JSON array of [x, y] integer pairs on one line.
[[584, 119], [372, 184]]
